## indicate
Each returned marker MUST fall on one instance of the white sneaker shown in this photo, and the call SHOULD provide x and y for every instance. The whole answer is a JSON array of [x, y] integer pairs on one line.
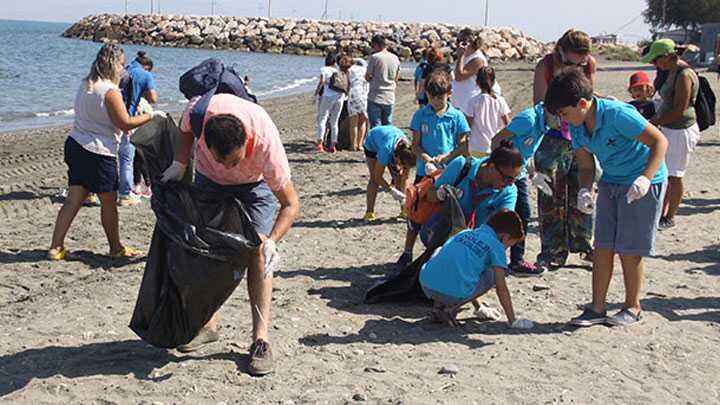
[[129, 200], [485, 313]]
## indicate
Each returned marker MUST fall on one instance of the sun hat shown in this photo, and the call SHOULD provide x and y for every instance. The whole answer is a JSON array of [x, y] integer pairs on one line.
[[661, 47], [639, 79]]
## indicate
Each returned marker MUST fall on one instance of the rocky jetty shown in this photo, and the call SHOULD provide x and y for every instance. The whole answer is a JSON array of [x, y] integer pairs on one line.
[[296, 36]]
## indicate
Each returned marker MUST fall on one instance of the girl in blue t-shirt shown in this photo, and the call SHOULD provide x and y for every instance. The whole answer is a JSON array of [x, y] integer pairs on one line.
[[469, 264], [387, 147]]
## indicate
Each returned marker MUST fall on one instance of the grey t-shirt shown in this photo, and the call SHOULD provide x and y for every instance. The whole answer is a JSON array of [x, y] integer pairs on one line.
[[383, 67]]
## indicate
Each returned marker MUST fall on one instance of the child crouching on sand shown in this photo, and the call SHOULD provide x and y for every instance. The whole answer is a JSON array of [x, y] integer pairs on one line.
[[631, 152], [469, 264], [387, 146]]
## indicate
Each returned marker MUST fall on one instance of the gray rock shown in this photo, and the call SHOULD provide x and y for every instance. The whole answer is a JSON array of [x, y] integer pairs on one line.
[[449, 369]]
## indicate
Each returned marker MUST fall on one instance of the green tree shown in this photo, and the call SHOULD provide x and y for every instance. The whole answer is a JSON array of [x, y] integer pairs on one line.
[[685, 14]]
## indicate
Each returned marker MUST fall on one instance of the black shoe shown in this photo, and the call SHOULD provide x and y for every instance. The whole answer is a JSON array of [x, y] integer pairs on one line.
[[589, 318], [404, 260], [666, 223], [204, 337], [261, 359]]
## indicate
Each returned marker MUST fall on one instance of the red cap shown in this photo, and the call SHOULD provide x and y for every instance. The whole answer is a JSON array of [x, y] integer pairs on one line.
[[639, 79]]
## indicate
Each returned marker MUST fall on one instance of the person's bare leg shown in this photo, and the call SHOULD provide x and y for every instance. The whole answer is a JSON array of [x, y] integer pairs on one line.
[[260, 292], [73, 202], [601, 276], [410, 238], [362, 128], [110, 220], [354, 132], [372, 188], [674, 196], [633, 271], [212, 324]]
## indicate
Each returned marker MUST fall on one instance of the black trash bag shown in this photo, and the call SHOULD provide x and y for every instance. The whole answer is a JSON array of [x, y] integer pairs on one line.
[[200, 250], [405, 286]]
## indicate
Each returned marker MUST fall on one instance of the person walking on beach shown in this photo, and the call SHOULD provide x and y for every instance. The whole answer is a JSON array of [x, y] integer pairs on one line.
[[383, 72], [357, 103], [631, 152], [677, 120], [141, 86], [240, 152], [564, 228], [330, 102], [91, 149]]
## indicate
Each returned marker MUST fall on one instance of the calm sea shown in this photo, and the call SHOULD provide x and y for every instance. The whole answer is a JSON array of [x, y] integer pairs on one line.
[[40, 72]]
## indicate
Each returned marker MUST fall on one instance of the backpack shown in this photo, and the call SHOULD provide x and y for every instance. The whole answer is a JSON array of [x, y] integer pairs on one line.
[[208, 78], [704, 102], [339, 82], [417, 207]]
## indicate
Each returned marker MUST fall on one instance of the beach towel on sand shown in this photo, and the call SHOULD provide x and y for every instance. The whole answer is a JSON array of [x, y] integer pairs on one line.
[[405, 286], [200, 250]]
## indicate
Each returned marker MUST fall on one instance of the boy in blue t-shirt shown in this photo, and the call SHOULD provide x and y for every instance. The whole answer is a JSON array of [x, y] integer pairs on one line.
[[469, 264], [631, 152], [440, 133], [526, 131]]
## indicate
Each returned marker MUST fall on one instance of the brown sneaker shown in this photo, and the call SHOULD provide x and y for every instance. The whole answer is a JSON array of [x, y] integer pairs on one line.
[[261, 358], [204, 337]]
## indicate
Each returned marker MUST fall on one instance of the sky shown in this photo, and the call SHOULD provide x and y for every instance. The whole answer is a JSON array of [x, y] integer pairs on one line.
[[545, 20]]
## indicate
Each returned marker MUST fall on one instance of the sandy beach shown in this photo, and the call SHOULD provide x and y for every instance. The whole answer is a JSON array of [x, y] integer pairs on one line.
[[65, 337]]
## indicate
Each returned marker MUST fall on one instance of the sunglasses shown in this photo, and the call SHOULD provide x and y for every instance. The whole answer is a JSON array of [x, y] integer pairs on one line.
[[506, 179]]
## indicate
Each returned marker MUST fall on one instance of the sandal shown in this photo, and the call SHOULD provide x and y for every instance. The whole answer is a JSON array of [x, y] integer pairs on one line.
[[526, 268], [56, 254], [124, 253]]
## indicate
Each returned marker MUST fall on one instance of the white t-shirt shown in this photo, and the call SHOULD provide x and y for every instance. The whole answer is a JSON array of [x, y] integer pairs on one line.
[[464, 90], [486, 113], [326, 72], [92, 127]]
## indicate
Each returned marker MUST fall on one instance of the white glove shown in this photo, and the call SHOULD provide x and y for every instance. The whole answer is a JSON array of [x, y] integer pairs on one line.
[[272, 257], [397, 195], [158, 113], [174, 172], [639, 188], [430, 168], [522, 324], [542, 181], [585, 202]]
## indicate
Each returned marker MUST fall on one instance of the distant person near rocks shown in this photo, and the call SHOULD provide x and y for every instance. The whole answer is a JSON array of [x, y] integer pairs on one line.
[[91, 149], [330, 102], [357, 103], [383, 71], [435, 60], [469, 59]]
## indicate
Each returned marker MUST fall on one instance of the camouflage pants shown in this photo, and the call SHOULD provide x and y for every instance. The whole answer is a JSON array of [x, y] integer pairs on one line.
[[563, 228]]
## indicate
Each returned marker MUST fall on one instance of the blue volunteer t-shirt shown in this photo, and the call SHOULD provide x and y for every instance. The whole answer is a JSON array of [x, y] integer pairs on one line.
[[142, 82], [456, 269], [485, 200], [382, 141], [528, 129], [614, 143], [439, 134]]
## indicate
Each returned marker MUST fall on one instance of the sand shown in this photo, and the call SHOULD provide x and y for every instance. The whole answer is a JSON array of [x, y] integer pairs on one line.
[[65, 337]]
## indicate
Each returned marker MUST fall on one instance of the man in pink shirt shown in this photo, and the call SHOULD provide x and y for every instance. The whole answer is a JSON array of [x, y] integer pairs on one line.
[[239, 151]]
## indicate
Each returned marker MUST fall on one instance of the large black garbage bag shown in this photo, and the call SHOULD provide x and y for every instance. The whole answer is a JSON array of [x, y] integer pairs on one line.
[[200, 250], [405, 286]]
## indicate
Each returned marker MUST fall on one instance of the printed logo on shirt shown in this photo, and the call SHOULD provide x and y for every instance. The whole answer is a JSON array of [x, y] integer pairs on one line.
[[424, 128], [529, 141], [611, 143]]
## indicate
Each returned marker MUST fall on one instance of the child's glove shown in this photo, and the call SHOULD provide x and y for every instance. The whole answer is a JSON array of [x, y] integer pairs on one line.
[[174, 172], [397, 195], [430, 168], [585, 202], [522, 324], [542, 181], [638, 189], [272, 257]]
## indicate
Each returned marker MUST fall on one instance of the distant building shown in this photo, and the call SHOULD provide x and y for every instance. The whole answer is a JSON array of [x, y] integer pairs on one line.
[[679, 36], [605, 39]]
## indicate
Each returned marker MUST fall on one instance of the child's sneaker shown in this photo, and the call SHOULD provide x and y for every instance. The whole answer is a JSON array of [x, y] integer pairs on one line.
[[129, 200], [485, 313], [666, 223], [589, 318], [624, 317], [369, 217], [526, 268]]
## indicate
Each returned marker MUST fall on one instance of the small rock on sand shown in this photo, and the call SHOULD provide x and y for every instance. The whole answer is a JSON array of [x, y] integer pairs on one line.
[[451, 369], [541, 287]]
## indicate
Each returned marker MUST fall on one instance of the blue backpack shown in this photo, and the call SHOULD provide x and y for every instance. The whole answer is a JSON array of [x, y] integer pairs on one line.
[[207, 79]]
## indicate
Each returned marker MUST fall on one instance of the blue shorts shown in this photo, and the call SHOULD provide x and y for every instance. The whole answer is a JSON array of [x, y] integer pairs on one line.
[[628, 229], [96, 173], [487, 281], [257, 198]]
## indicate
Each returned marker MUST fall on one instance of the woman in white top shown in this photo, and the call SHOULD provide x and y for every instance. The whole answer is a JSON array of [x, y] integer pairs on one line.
[[330, 103], [357, 103], [487, 114], [470, 59], [91, 148]]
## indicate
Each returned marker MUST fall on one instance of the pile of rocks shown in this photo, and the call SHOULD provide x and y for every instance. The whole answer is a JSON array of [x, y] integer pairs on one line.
[[296, 36]]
